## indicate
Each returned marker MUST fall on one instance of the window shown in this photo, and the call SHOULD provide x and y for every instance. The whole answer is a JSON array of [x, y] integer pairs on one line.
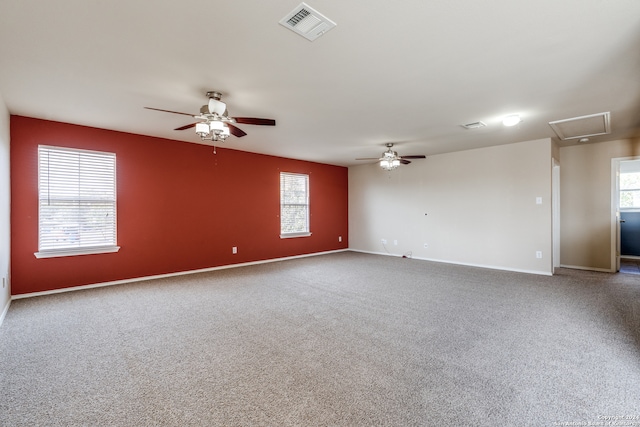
[[77, 202], [294, 205], [630, 190]]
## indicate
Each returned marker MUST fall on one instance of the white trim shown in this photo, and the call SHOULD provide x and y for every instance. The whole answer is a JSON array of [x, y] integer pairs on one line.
[[615, 210], [579, 267], [631, 257], [292, 235], [161, 276], [4, 312], [52, 253], [492, 267], [614, 238], [555, 213]]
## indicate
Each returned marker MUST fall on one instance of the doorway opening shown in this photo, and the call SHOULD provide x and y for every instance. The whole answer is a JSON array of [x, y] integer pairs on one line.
[[627, 214]]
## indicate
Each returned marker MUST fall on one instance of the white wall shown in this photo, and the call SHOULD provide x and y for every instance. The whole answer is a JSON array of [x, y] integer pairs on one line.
[[5, 191], [475, 207]]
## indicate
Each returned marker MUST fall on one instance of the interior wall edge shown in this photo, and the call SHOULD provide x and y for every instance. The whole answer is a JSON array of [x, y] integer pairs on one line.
[[5, 207], [4, 311]]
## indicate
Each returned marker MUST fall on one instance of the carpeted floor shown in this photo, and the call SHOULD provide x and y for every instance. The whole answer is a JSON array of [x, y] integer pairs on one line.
[[630, 266], [346, 339]]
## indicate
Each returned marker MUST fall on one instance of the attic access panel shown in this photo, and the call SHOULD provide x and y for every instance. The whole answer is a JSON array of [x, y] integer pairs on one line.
[[583, 126], [307, 22]]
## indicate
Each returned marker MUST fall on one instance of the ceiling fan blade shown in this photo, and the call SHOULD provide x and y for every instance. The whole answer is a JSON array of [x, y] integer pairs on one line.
[[414, 157], [368, 158], [168, 111], [404, 162], [235, 131], [189, 126], [254, 121]]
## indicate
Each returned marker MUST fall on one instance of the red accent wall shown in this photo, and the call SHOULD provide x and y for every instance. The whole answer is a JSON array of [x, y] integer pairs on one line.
[[180, 207]]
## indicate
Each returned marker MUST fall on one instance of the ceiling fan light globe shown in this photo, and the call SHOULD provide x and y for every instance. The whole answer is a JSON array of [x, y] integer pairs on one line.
[[202, 129], [216, 126], [217, 107]]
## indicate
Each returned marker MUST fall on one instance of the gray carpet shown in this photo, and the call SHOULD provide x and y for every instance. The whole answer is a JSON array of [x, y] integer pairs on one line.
[[346, 339], [630, 266]]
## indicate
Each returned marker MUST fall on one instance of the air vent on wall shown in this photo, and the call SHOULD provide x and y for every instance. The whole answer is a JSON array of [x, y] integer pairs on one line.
[[583, 126], [307, 22]]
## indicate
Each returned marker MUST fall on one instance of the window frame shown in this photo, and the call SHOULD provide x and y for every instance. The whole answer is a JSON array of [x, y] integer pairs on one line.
[[86, 249], [625, 189], [307, 232]]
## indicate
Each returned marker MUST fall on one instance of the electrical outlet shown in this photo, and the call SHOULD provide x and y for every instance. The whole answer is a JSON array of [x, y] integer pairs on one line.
[[384, 241], [395, 242], [539, 254], [339, 238], [234, 250]]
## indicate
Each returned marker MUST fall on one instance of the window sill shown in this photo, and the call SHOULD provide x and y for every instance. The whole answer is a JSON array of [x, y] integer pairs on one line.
[[292, 235], [53, 253]]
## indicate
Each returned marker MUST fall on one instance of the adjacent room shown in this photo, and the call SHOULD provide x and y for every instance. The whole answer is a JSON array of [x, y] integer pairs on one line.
[[284, 213]]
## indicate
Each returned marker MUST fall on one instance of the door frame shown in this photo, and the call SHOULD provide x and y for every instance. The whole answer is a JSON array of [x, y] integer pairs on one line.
[[615, 210], [555, 213]]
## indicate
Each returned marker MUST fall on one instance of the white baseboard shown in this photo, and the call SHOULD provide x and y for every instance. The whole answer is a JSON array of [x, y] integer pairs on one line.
[[492, 267], [631, 257], [161, 276]]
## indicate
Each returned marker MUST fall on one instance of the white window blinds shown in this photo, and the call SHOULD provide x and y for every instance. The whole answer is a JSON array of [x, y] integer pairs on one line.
[[294, 205], [77, 206]]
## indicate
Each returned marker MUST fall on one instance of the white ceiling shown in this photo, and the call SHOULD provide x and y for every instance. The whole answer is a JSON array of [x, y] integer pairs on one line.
[[409, 72]]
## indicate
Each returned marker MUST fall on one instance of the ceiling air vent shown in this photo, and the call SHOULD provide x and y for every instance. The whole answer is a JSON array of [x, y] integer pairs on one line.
[[583, 126], [307, 22], [474, 125]]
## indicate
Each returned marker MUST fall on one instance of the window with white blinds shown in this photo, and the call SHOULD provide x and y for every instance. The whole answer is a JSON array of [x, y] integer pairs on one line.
[[77, 202], [294, 205]]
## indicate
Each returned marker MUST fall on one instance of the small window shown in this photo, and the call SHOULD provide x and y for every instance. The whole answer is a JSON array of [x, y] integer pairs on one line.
[[77, 202], [630, 190], [294, 205]]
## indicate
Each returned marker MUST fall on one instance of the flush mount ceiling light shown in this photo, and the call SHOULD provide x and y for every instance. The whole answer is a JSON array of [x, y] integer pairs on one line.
[[511, 120]]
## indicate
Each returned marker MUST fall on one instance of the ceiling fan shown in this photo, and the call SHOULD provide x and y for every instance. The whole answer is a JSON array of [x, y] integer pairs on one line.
[[214, 123], [390, 159]]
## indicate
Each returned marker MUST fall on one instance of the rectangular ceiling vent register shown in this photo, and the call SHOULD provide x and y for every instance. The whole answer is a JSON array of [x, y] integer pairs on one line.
[[474, 125], [307, 22], [583, 126]]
